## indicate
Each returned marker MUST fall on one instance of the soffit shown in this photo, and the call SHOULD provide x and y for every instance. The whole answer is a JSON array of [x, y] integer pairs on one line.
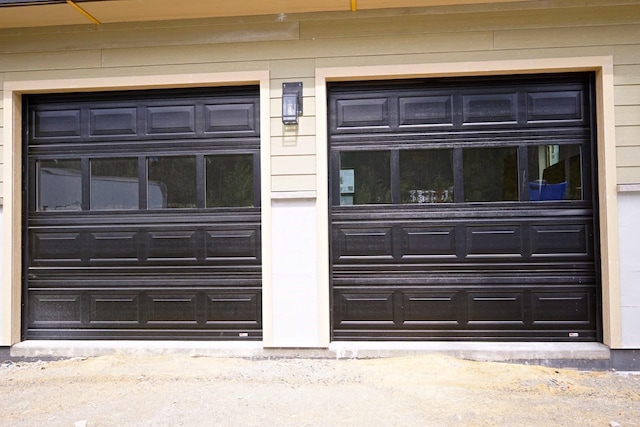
[[116, 11]]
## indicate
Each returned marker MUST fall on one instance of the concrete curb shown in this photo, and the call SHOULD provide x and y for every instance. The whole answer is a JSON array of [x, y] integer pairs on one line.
[[579, 355]]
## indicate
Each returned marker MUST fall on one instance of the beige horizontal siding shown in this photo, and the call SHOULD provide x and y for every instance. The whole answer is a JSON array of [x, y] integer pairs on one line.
[[292, 50], [50, 60], [464, 56], [567, 37], [293, 165], [628, 156], [293, 183], [628, 175], [627, 95], [303, 49], [476, 21], [628, 135], [627, 54], [626, 74], [293, 145], [142, 71], [306, 126], [628, 115], [202, 34], [292, 68]]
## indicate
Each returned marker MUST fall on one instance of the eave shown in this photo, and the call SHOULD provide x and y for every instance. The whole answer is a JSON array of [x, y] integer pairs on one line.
[[39, 13]]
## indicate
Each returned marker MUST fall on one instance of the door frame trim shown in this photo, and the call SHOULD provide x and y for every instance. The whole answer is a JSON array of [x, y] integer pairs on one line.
[[11, 290], [606, 154]]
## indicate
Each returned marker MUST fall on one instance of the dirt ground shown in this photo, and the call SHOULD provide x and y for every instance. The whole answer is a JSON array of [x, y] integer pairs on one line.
[[413, 391]]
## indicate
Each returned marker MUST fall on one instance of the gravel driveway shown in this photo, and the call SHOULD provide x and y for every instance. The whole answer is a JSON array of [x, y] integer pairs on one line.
[[413, 391]]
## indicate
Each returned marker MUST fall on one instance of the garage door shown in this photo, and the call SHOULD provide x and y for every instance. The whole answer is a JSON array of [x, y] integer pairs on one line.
[[142, 215], [464, 209]]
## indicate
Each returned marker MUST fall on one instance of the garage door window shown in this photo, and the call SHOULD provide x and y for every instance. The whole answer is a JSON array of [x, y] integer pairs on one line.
[[490, 174], [535, 173], [170, 182], [426, 176], [114, 184], [365, 178], [175, 179], [59, 185], [555, 172], [229, 181]]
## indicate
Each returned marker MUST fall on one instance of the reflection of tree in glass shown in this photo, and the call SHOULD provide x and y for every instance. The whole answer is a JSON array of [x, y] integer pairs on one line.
[[230, 181], [125, 168], [372, 176], [178, 174], [426, 176], [490, 174]]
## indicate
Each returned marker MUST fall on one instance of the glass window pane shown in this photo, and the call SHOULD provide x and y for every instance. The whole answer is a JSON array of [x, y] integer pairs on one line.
[[426, 176], [114, 184], [365, 178], [555, 172], [59, 185], [172, 182], [229, 181], [490, 174]]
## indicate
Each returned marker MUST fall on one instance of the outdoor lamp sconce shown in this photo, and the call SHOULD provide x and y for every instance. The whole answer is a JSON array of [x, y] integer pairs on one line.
[[291, 102]]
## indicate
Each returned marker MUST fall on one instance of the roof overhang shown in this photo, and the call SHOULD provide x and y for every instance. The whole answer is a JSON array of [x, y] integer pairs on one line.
[[38, 13]]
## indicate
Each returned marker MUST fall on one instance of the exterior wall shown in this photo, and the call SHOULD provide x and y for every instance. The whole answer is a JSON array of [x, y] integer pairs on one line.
[[293, 48], [629, 207], [295, 310]]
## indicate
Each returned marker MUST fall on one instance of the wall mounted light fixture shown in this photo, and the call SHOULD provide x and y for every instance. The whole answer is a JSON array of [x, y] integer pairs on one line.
[[291, 102]]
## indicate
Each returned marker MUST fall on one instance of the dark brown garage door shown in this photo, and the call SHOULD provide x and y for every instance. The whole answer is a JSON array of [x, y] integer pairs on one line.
[[464, 209], [142, 215]]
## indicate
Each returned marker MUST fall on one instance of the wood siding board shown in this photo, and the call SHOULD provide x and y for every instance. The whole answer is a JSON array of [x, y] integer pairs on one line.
[[580, 36], [464, 56], [627, 115], [292, 68], [138, 71], [628, 175], [61, 60], [306, 127], [627, 95], [304, 49], [478, 21], [628, 136], [293, 165], [293, 183], [140, 38], [626, 75], [628, 156], [626, 54], [293, 145]]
